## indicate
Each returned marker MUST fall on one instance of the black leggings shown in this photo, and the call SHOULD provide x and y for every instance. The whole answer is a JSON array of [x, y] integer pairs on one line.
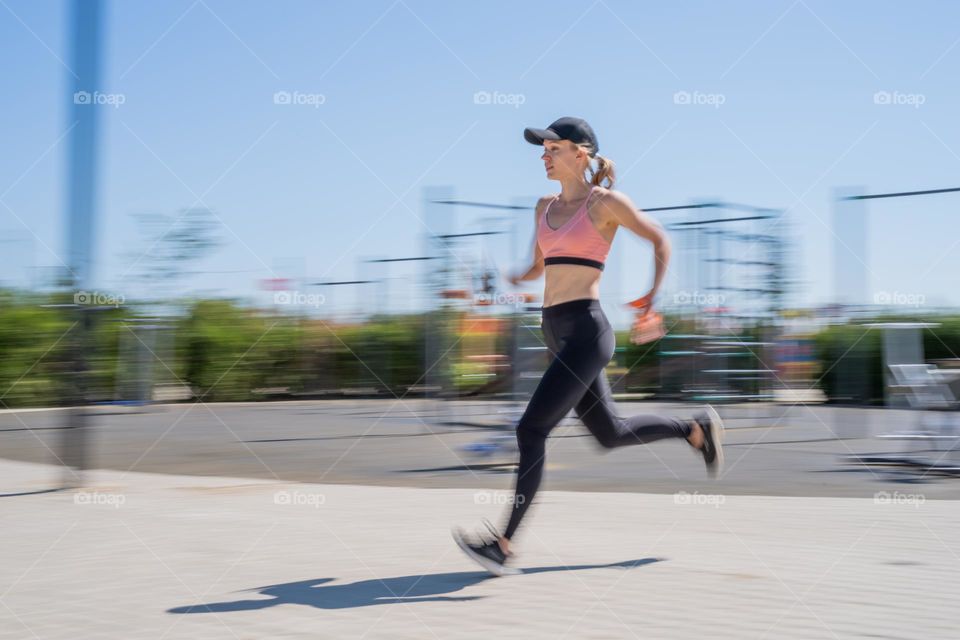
[[581, 343]]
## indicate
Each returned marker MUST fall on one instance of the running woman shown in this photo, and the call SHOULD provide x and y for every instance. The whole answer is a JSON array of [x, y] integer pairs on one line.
[[574, 231]]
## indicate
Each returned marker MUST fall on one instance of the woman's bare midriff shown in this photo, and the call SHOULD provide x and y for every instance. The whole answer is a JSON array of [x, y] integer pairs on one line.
[[564, 282]]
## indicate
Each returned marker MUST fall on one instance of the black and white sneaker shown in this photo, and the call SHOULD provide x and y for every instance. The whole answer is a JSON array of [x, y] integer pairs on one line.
[[485, 550], [712, 450]]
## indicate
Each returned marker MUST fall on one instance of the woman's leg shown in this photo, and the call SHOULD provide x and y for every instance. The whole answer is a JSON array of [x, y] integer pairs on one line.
[[565, 381], [597, 411]]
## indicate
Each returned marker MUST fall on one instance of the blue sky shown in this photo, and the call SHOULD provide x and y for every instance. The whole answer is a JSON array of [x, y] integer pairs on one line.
[[307, 191]]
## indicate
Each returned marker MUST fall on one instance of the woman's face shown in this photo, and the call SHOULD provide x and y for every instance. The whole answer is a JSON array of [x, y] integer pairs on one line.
[[562, 159]]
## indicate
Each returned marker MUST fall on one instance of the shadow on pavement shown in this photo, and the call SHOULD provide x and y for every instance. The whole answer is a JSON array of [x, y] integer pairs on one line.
[[399, 590], [29, 493], [493, 467]]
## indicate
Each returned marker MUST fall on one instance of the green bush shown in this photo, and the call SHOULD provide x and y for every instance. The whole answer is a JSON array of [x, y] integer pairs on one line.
[[851, 356], [227, 352]]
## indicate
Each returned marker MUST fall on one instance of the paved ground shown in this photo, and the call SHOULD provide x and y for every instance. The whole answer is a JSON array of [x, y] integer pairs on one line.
[[138, 555], [798, 451]]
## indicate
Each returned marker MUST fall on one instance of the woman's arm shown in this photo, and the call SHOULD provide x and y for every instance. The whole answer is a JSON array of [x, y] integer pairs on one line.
[[536, 269], [626, 214]]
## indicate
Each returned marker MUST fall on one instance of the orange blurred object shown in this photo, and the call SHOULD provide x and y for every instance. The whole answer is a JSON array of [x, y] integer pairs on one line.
[[643, 302], [647, 327]]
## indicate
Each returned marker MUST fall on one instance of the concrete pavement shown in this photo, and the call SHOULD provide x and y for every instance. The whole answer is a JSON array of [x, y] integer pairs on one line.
[[140, 555]]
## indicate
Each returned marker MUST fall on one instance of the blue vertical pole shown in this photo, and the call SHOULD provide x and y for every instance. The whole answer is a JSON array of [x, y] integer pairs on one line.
[[82, 160], [81, 170]]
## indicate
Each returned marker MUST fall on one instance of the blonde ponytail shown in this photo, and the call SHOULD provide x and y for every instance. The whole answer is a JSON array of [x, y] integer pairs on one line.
[[605, 171]]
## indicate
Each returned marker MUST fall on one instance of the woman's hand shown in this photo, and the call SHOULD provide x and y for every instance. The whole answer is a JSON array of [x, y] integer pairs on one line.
[[643, 303], [515, 279], [647, 324], [647, 327]]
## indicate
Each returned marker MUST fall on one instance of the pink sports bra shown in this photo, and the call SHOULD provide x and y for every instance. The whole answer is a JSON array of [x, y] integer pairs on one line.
[[577, 241]]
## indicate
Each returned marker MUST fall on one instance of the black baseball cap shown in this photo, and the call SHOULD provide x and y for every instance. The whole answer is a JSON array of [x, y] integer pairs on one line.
[[576, 130]]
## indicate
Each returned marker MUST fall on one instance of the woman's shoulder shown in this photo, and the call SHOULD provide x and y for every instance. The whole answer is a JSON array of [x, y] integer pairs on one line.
[[608, 195], [610, 198], [543, 202], [612, 206], [547, 198]]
